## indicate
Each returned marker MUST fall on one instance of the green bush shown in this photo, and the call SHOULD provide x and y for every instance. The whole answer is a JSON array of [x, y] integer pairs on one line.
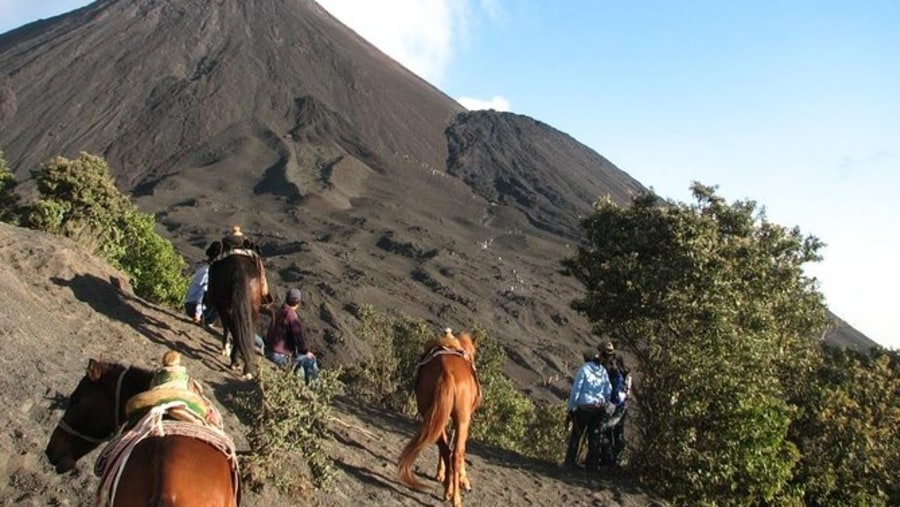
[[288, 429], [847, 430], [79, 199], [9, 200], [386, 377]]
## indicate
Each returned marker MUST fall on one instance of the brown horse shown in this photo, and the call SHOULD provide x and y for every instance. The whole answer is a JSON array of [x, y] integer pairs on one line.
[[173, 470], [235, 291], [446, 388]]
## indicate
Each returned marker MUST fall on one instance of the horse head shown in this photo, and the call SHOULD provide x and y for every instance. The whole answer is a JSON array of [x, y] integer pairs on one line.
[[94, 412]]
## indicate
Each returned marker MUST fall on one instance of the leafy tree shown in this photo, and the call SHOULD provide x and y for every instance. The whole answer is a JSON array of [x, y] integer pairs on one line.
[[9, 200], [712, 301], [79, 199], [847, 430]]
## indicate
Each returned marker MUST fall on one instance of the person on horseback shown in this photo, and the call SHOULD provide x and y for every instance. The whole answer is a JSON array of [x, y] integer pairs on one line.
[[235, 239], [587, 407], [195, 305], [620, 380], [286, 337]]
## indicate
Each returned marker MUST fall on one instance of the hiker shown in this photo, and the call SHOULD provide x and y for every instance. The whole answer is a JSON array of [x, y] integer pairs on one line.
[[620, 382], [587, 407], [576, 429], [195, 305], [286, 339]]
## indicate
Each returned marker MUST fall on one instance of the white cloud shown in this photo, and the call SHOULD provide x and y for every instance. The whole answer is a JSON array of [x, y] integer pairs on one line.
[[497, 103], [420, 34]]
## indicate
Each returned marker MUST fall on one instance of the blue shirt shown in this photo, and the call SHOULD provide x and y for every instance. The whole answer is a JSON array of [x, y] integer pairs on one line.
[[590, 387], [198, 285]]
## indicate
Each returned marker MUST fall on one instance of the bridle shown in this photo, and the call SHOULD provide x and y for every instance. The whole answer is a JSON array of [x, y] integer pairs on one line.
[[63, 425]]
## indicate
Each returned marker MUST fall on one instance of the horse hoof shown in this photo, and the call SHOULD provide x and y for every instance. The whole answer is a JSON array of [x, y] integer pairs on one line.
[[247, 376]]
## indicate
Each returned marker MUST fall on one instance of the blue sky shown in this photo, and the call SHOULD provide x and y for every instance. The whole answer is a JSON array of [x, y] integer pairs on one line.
[[794, 104]]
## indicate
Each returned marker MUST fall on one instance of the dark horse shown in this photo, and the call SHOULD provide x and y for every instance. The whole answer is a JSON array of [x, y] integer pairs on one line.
[[446, 388], [174, 469], [235, 291]]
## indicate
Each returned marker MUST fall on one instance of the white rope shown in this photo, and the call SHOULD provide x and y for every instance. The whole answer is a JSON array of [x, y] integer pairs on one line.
[[112, 460]]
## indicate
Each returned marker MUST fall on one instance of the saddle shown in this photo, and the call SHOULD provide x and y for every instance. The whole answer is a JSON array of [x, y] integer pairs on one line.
[[184, 400], [155, 423]]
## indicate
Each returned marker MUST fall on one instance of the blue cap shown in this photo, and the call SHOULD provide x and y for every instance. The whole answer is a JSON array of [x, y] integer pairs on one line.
[[293, 296]]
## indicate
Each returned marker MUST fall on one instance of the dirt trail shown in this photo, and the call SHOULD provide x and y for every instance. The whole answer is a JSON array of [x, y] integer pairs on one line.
[[62, 306]]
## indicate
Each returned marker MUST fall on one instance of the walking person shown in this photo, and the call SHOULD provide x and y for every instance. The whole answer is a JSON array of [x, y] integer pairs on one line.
[[195, 306], [587, 407], [620, 382]]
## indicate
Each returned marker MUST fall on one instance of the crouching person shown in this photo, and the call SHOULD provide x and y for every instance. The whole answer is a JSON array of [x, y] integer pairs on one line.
[[286, 342], [587, 409]]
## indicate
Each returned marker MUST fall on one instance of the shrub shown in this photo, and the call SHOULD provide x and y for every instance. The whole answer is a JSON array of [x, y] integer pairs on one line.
[[9, 200], [396, 344], [78, 199], [288, 428], [847, 430]]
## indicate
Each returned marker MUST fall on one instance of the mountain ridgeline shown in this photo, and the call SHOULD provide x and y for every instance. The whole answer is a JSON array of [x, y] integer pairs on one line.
[[364, 184]]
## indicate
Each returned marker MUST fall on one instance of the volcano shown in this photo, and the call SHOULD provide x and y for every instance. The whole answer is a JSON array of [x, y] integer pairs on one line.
[[363, 183]]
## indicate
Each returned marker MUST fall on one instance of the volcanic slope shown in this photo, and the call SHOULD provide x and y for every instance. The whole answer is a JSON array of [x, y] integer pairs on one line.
[[62, 306], [363, 183]]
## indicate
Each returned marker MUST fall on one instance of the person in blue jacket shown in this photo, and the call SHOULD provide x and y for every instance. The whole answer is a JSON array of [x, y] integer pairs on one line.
[[587, 406]]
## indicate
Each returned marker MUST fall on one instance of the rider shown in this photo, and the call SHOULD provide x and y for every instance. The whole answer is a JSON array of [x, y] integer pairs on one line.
[[587, 408], [235, 239]]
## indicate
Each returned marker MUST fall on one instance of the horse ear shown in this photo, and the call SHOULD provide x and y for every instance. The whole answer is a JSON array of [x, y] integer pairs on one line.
[[94, 370]]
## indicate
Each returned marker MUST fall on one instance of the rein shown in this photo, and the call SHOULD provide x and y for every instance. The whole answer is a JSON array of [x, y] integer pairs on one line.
[[63, 425]]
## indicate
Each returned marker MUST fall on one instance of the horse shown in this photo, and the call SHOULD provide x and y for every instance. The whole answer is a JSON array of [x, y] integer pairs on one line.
[[174, 469], [235, 291], [446, 388]]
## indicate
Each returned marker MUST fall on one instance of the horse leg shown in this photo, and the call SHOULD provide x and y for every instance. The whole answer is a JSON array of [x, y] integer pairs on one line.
[[227, 324], [226, 343], [443, 457], [458, 461]]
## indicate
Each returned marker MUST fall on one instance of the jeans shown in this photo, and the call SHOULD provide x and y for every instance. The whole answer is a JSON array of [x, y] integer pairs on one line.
[[308, 365], [310, 368], [209, 313]]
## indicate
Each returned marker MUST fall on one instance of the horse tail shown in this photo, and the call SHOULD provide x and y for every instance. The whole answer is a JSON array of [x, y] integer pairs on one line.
[[433, 424], [243, 318]]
